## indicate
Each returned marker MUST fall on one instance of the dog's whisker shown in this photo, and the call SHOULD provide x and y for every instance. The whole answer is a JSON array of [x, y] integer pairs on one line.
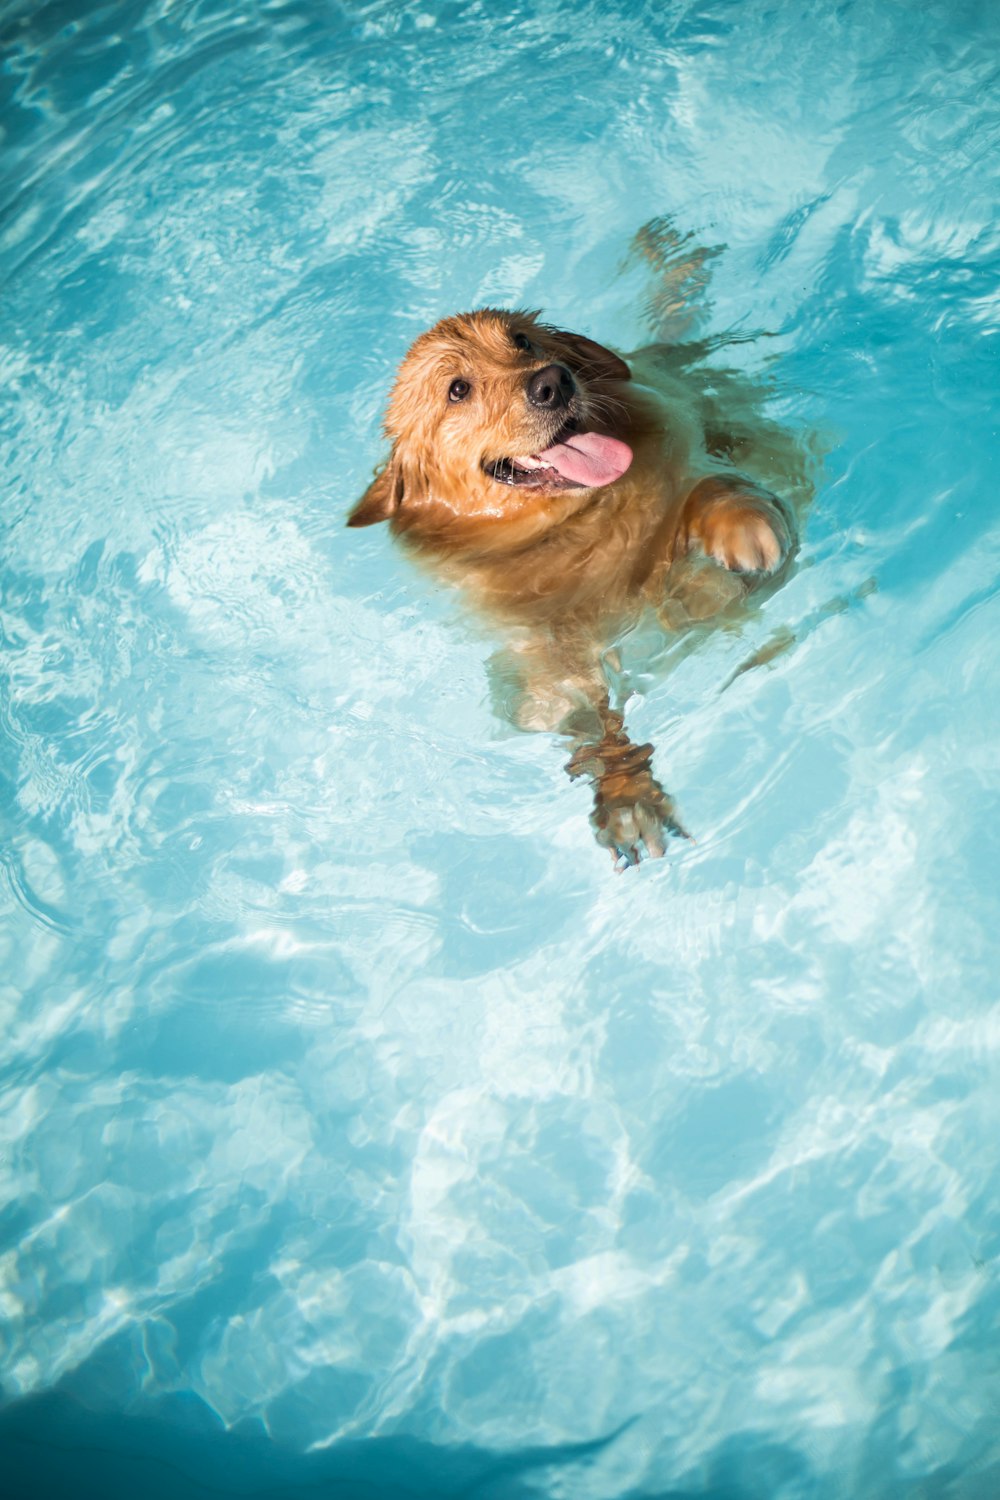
[[605, 407]]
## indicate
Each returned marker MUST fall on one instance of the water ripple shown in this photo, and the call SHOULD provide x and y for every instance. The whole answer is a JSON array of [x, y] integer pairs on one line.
[[345, 1090]]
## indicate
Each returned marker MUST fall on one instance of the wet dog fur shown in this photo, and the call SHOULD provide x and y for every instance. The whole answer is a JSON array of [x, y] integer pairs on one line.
[[566, 549]]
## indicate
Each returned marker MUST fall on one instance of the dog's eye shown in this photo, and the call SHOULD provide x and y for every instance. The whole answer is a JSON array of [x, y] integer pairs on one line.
[[522, 342], [458, 390]]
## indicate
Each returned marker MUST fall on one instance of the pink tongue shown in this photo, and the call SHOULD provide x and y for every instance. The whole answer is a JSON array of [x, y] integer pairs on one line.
[[588, 458]]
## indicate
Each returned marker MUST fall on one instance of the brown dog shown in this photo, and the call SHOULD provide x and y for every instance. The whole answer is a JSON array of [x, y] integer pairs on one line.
[[559, 483]]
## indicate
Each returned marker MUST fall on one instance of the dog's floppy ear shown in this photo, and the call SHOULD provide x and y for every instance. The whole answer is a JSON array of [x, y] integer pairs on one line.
[[381, 499], [589, 357]]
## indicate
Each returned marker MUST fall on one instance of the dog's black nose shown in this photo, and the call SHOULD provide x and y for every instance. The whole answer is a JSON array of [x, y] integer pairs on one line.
[[550, 388]]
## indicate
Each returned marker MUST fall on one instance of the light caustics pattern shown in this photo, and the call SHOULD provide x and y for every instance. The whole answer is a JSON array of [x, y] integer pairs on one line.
[[347, 1094]]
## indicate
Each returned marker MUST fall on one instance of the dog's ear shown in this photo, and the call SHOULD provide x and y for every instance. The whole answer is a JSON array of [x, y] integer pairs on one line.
[[589, 357], [381, 499]]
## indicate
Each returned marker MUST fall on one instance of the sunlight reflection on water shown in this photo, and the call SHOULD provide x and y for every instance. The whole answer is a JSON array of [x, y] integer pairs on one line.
[[345, 1090]]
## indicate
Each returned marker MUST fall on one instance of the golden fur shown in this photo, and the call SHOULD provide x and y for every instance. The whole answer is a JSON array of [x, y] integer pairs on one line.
[[566, 567]]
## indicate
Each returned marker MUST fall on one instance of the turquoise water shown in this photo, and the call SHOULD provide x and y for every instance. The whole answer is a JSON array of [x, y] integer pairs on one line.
[[362, 1133]]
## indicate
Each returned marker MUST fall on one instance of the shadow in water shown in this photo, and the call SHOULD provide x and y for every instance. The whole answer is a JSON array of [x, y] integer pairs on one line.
[[52, 1446]]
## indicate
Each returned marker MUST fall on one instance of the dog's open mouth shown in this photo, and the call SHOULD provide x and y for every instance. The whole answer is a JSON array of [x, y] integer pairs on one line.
[[576, 460]]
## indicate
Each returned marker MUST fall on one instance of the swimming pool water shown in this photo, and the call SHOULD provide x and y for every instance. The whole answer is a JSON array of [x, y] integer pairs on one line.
[[361, 1130]]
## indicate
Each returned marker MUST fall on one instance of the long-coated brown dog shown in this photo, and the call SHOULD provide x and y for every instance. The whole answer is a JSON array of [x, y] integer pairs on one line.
[[561, 484]]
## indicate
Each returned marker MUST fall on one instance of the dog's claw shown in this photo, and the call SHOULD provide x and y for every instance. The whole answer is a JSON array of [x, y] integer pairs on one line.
[[634, 831]]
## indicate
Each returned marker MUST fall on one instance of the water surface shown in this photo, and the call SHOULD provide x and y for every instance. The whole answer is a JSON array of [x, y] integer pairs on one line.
[[359, 1127]]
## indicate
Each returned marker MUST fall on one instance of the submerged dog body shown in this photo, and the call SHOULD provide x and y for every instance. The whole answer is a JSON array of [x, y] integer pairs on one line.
[[558, 482]]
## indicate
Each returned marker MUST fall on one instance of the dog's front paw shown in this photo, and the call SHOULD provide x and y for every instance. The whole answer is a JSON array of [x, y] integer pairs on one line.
[[633, 816], [636, 829], [743, 542], [738, 524]]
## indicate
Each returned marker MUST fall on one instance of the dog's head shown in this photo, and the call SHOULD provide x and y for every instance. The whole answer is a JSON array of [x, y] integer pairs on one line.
[[496, 417]]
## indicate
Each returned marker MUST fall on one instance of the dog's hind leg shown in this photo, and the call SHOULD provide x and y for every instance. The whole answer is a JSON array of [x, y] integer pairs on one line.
[[679, 270]]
